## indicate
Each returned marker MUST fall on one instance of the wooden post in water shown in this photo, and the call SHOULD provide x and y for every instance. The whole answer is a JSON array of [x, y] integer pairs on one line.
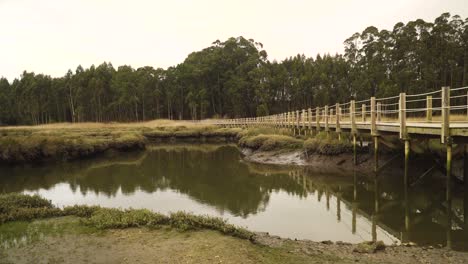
[[429, 108], [406, 184], [465, 183]]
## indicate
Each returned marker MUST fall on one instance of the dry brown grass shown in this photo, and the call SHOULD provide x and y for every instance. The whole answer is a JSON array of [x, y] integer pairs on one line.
[[92, 125]]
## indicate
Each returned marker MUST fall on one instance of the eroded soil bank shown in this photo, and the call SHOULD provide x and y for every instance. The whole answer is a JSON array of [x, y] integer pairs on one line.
[[166, 245]]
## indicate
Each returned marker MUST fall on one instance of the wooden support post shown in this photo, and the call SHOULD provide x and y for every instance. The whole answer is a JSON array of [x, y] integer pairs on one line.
[[374, 228], [429, 108], [402, 115], [449, 194], [354, 204], [376, 154], [449, 172], [363, 113], [406, 184], [465, 183], [338, 207], [354, 150], [445, 130], [309, 119]]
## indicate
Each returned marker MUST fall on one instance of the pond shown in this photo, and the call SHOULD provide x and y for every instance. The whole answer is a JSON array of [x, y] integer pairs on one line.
[[288, 201]]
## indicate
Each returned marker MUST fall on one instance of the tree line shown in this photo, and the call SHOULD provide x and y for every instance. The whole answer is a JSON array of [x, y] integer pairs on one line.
[[234, 78]]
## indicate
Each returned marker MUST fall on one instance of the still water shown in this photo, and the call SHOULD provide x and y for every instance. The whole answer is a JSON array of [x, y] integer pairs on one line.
[[291, 202]]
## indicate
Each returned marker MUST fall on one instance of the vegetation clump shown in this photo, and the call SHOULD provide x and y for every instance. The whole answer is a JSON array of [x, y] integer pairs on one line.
[[328, 147], [21, 207], [369, 247], [270, 142]]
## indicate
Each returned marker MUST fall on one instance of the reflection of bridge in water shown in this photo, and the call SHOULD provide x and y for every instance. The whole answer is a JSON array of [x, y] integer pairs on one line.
[[388, 214]]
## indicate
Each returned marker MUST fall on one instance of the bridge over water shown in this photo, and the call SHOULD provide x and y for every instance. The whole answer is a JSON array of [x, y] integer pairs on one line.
[[439, 114]]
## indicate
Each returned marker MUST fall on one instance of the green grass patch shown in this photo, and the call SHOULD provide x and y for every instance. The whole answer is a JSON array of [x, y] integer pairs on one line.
[[21, 207]]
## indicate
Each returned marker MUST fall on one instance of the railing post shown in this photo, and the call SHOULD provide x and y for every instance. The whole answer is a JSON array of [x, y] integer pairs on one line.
[[303, 119], [352, 116], [309, 119], [445, 133], [298, 117], [317, 119], [337, 126], [429, 108], [326, 119], [379, 112], [402, 115], [363, 115], [373, 116]]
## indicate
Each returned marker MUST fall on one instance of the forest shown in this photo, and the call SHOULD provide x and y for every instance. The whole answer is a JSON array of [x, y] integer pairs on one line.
[[235, 78]]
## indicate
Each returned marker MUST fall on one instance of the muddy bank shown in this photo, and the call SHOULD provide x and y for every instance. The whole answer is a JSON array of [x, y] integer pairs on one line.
[[74, 244], [331, 163]]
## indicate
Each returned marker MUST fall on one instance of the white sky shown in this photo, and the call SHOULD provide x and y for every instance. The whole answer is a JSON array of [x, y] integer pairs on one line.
[[52, 36]]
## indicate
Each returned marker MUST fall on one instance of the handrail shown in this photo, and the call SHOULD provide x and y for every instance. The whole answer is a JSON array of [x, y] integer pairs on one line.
[[369, 113]]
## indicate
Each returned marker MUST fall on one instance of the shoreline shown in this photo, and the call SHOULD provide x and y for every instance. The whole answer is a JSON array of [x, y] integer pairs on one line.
[[68, 142], [149, 236]]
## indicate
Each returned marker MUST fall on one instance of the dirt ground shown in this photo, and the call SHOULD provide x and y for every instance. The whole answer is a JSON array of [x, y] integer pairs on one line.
[[164, 245]]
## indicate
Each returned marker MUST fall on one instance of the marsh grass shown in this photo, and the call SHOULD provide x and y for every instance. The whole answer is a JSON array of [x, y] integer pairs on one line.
[[267, 142], [323, 144], [21, 207], [73, 141]]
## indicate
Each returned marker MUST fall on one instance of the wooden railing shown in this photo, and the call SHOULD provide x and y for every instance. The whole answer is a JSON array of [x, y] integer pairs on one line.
[[442, 108]]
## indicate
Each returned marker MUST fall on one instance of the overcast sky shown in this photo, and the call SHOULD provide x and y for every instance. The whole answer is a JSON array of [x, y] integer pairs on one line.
[[52, 36]]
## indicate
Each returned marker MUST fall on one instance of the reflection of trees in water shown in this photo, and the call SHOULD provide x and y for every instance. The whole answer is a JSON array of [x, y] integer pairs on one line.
[[217, 178]]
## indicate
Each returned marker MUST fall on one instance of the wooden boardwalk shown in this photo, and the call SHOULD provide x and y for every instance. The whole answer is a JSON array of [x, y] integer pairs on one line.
[[444, 116], [438, 114]]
